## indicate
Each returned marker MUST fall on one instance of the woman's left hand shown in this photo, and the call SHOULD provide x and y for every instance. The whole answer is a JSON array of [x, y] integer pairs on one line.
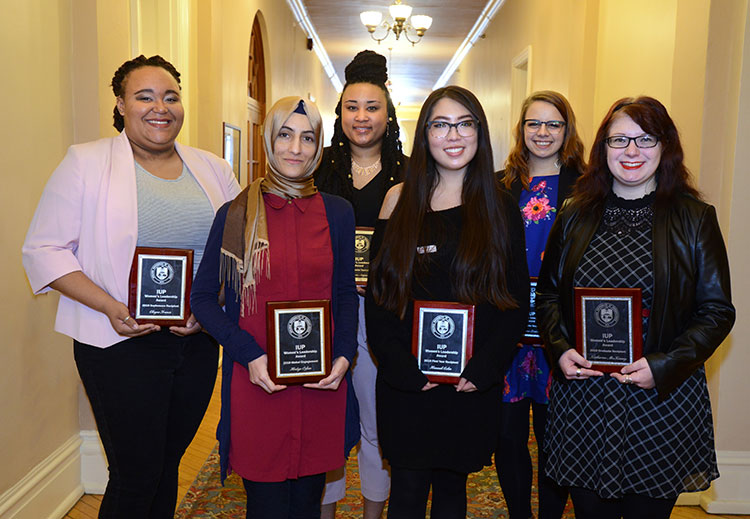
[[638, 373], [464, 386], [191, 326], [332, 381]]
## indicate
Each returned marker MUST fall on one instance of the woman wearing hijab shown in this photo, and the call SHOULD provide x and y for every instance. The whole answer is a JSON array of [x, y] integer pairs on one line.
[[280, 240]]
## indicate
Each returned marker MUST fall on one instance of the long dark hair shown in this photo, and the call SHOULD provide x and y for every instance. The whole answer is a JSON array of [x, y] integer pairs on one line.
[[482, 258], [335, 176], [571, 151], [672, 177], [121, 76]]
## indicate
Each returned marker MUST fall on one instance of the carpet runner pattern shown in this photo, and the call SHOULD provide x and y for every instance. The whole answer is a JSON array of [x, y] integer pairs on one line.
[[207, 499]]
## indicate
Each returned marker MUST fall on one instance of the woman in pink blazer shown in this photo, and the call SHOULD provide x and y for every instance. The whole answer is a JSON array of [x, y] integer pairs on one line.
[[149, 386]]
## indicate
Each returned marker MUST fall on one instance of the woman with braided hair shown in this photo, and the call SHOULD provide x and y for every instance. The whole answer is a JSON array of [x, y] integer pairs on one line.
[[149, 386], [363, 162]]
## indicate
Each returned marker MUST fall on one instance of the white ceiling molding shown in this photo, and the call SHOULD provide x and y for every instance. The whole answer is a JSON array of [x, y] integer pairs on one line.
[[300, 14], [476, 32]]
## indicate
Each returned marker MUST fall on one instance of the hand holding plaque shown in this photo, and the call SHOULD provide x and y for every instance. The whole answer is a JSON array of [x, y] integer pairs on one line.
[[160, 281], [608, 326], [442, 339], [298, 341]]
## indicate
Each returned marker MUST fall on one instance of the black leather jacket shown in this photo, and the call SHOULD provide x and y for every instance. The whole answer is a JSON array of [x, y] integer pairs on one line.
[[692, 308]]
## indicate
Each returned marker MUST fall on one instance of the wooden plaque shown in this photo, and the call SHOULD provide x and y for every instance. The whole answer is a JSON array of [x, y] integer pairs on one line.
[[608, 326], [442, 339], [531, 335], [362, 242], [298, 340], [160, 281]]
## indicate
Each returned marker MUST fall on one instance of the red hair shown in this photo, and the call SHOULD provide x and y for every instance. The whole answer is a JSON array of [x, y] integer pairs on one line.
[[672, 177]]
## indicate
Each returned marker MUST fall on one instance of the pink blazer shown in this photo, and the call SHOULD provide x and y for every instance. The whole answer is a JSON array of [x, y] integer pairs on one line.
[[87, 220]]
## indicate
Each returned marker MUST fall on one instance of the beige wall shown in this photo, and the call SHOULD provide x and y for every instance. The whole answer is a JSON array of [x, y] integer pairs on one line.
[[212, 42], [38, 383], [582, 49], [555, 32], [725, 182]]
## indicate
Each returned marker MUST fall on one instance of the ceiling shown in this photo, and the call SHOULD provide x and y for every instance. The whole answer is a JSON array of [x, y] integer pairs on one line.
[[413, 70]]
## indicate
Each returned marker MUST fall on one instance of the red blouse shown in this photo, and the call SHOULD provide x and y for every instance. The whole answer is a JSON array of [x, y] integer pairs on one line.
[[297, 431]]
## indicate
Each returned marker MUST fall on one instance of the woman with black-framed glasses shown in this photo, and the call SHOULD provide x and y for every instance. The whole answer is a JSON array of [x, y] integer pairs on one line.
[[628, 443], [448, 233], [540, 172]]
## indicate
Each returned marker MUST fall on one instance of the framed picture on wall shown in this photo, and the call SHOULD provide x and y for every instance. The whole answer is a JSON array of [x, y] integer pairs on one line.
[[231, 148]]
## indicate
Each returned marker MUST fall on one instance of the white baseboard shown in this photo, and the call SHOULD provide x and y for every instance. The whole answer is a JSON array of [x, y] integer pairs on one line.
[[689, 499], [94, 472], [50, 489], [730, 494]]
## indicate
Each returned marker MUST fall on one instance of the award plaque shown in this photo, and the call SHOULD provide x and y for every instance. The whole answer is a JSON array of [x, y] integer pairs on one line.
[[362, 240], [442, 339], [160, 281], [608, 326], [298, 340], [531, 334]]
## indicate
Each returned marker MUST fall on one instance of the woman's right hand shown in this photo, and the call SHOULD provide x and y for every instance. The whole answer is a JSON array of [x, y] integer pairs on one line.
[[429, 386], [78, 286], [124, 324], [575, 367], [258, 369]]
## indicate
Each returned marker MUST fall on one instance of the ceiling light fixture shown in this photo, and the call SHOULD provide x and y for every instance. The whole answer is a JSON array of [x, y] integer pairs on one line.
[[413, 29]]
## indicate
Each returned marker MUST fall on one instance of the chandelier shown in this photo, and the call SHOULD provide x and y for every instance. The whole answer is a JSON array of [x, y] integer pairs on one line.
[[412, 28]]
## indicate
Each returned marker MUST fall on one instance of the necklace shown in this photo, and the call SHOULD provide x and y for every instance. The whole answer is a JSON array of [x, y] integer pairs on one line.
[[365, 171]]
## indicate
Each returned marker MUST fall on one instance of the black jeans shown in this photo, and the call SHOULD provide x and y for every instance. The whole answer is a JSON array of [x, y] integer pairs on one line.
[[290, 499], [410, 489], [513, 462], [148, 395], [588, 505]]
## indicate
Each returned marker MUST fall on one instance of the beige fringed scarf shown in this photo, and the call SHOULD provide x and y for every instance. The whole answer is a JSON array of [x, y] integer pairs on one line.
[[245, 251]]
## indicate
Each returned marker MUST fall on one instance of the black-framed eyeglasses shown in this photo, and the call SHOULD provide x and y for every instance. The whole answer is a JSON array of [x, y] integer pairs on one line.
[[619, 142], [441, 129], [534, 125]]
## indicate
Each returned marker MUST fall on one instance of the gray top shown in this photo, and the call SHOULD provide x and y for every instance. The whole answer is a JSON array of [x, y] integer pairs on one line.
[[173, 213]]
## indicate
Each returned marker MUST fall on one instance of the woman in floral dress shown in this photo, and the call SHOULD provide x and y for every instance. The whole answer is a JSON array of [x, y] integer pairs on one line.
[[540, 173]]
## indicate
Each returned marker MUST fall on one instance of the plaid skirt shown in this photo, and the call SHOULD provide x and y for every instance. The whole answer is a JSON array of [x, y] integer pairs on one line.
[[618, 439]]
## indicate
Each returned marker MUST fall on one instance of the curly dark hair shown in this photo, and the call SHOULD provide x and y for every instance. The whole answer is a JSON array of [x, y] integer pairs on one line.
[[121, 76], [366, 67], [672, 176]]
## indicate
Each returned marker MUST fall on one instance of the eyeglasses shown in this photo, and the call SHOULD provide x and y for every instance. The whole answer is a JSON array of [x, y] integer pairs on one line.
[[534, 125], [441, 129], [642, 141]]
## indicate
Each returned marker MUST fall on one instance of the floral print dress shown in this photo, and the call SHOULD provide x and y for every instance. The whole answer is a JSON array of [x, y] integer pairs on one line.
[[529, 373]]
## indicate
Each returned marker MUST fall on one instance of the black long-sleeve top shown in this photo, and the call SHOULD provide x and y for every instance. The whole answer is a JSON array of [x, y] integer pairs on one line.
[[441, 428]]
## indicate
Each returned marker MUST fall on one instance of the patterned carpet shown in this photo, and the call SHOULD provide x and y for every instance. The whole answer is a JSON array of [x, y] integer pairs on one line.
[[208, 499]]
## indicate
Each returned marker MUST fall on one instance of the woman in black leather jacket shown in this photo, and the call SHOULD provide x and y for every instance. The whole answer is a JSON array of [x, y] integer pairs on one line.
[[627, 444]]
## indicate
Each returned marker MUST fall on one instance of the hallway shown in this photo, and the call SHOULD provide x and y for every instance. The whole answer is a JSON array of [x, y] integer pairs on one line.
[[60, 55]]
